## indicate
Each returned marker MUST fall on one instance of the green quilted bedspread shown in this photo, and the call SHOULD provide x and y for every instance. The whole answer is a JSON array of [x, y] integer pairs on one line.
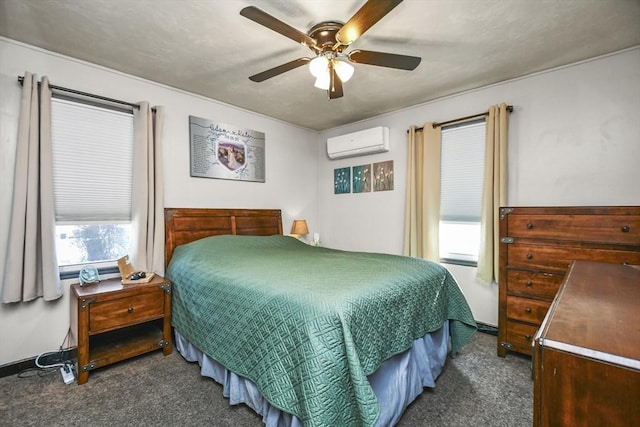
[[308, 324]]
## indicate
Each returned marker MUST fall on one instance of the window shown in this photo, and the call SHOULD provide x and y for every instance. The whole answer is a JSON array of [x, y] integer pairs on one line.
[[92, 178], [462, 170]]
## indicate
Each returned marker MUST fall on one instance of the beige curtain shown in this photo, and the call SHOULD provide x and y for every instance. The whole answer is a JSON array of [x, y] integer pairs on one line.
[[31, 269], [494, 192], [422, 208], [147, 252]]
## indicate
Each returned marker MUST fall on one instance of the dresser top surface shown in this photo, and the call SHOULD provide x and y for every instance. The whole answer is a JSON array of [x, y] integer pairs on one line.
[[597, 310]]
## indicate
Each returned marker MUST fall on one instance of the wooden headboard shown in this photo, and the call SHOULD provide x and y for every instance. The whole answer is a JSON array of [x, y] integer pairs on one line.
[[184, 225]]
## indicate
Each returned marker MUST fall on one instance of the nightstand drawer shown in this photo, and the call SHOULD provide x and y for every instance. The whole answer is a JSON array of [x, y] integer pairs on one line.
[[107, 315]]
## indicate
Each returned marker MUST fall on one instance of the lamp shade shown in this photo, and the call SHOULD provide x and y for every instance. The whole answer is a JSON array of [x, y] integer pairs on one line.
[[323, 81], [299, 227], [318, 66], [343, 69]]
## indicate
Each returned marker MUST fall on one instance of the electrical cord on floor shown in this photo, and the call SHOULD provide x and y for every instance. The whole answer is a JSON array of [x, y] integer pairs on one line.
[[46, 369], [32, 372]]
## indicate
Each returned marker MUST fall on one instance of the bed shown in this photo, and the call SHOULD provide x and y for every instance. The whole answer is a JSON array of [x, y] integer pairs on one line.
[[307, 335]]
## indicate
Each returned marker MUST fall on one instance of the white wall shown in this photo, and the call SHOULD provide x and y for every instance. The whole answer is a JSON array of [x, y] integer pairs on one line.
[[27, 329], [574, 139]]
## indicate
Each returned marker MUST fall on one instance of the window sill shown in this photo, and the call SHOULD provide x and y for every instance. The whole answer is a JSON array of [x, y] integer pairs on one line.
[[74, 274], [464, 263]]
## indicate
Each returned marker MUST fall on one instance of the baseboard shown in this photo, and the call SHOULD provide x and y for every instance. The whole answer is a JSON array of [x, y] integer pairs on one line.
[[30, 363], [487, 329]]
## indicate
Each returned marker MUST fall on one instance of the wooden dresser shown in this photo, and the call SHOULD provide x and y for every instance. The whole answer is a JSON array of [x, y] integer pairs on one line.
[[586, 354], [537, 245]]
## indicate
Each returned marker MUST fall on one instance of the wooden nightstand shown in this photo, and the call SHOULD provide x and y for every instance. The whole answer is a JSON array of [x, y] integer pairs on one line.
[[112, 322]]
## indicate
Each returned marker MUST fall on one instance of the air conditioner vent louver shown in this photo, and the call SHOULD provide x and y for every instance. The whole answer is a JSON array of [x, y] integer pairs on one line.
[[369, 141]]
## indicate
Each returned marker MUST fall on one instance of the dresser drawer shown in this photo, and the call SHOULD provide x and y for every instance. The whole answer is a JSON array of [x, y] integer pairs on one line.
[[533, 284], [527, 310], [519, 336], [120, 312], [619, 229], [557, 258]]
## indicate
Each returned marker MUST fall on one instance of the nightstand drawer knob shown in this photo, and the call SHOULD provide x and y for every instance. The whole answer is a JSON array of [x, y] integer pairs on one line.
[[529, 226], [625, 228], [529, 283], [528, 309], [529, 256], [130, 309]]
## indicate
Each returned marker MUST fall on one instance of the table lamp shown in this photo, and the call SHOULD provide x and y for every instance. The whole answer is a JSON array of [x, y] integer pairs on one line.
[[299, 228]]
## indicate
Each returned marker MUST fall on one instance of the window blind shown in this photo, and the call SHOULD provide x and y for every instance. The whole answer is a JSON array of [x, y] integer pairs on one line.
[[461, 174], [92, 163]]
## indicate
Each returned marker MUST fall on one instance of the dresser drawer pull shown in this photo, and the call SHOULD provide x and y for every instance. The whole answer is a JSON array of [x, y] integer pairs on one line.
[[130, 309], [528, 309], [527, 337], [529, 226], [625, 229], [529, 256], [529, 283]]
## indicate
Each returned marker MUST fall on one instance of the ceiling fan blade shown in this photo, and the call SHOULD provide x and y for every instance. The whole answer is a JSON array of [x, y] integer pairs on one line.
[[260, 77], [276, 25], [335, 85], [365, 18], [382, 59]]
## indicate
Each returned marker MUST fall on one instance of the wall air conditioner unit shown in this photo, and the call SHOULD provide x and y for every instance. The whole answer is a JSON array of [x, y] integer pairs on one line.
[[368, 141]]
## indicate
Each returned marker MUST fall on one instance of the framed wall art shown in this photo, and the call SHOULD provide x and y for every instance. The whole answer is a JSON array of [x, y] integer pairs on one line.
[[225, 151], [361, 179], [342, 180], [383, 176]]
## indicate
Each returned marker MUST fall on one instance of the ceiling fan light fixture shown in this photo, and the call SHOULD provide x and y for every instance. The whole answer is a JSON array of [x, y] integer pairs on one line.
[[323, 81], [328, 40], [343, 69], [319, 66]]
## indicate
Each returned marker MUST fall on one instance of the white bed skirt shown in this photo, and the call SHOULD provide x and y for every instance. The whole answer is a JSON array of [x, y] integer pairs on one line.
[[397, 382]]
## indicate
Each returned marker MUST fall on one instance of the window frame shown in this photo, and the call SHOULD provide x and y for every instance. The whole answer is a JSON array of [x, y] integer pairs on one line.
[[463, 260], [105, 267]]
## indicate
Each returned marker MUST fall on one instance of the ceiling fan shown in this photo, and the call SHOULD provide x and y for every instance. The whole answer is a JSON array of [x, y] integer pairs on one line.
[[328, 41]]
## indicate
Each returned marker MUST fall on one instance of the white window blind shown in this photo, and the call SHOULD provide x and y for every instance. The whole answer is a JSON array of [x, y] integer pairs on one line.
[[461, 176], [92, 163]]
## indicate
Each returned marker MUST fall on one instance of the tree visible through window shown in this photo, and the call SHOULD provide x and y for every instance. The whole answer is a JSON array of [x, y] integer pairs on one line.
[[78, 244]]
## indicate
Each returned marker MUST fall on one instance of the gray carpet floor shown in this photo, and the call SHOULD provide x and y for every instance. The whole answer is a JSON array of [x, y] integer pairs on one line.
[[476, 388]]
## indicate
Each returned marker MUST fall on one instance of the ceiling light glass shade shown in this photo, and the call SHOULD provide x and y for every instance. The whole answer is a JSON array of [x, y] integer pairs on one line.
[[323, 81], [318, 66], [343, 69]]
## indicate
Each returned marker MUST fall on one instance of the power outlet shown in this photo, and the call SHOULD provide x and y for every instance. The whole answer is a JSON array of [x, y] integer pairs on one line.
[[67, 373]]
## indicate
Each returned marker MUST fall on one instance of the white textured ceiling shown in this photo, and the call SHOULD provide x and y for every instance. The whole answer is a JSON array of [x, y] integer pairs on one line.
[[206, 47]]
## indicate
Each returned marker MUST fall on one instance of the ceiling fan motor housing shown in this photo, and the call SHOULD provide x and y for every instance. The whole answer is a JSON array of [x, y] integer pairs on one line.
[[324, 34]]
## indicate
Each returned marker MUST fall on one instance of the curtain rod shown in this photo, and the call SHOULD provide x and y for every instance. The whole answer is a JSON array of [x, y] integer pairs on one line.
[[461, 119], [88, 95]]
